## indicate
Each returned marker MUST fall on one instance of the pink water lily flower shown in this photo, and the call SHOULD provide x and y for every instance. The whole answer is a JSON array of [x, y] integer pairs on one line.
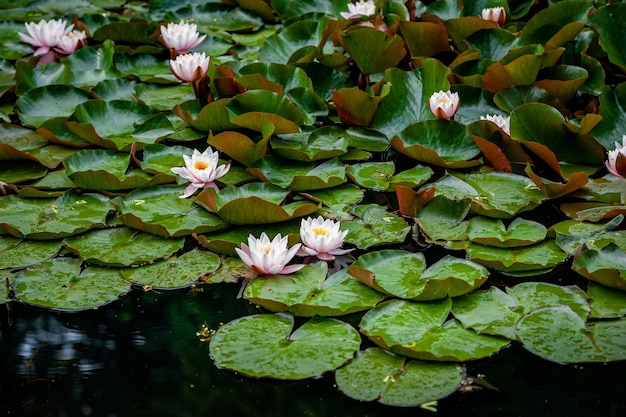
[[360, 8], [616, 162], [321, 238], [45, 35], [444, 104], [201, 170], [190, 67], [496, 14], [502, 122], [71, 42], [269, 257], [181, 37]]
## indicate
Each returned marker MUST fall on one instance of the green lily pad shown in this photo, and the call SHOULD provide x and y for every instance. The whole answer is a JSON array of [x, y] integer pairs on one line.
[[519, 259], [609, 23], [231, 270], [46, 218], [606, 302], [419, 330], [160, 211], [422, 141], [374, 226], [380, 176], [91, 65], [17, 172], [63, 284], [212, 117], [28, 77], [296, 37], [606, 266], [502, 194], [373, 50], [443, 219], [571, 234], [323, 143], [309, 293], [560, 335], [174, 272], [266, 345], [121, 247], [404, 275], [253, 203], [18, 253], [95, 169], [43, 103], [376, 374], [343, 194], [492, 232], [298, 176], [250, 108]]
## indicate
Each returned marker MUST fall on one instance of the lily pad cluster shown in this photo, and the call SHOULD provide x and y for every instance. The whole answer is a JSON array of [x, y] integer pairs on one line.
[[467, 235]]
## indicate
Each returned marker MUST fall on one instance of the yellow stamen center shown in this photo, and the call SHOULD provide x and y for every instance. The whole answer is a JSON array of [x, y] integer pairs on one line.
[[267, 250], [200, 165], [320, 231]]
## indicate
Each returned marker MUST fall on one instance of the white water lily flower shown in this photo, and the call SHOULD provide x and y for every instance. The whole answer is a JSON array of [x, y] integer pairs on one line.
[[45, 35], [444, 104], [321, 238], [358, 9], [616, 162], [71, 42], [201, 170], [496, 14], [181, 37], [501, 121], [190, 67], [269, 257]]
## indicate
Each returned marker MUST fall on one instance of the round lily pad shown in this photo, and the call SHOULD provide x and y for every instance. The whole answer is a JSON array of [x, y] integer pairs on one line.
[[122, 247], [606, 266], [309, 293], [420, 330], [63, 284], [606, 302], [160, 210], [492, 232], [17, 253], [174, 272], [380, 175], [43, 103], [373, 225], [560, 335], [377, 374], [266, 345], [524, 258], [299, 176]]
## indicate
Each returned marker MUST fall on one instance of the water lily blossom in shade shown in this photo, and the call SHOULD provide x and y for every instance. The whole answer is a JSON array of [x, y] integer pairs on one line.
[[181, 37], [321, 238], [616, 162], [501, 121], [269, 257], [71, 42], [358, 9], [444, 104], [202, 170], [496, 14], [45, 35], [190, 67]]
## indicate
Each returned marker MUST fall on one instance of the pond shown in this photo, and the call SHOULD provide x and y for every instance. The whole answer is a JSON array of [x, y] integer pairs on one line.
[[140, 356]]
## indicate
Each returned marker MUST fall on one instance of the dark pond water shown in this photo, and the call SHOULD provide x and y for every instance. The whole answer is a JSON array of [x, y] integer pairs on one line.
[[140, 357]]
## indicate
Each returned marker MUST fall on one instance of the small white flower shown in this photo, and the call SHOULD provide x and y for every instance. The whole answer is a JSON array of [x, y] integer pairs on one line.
[[496, 14], [201, 170], [181, 37], [444, 104], [269, 257], [321, 238], [501, 121], [190, 67], [45, 35], [71, 42], [616, 161], [360, 8]]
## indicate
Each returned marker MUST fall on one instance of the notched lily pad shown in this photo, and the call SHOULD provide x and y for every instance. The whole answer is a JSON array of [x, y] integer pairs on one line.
[[160, 211], [377, 374], [309, 293], [174, 272], [266, 345], [373, 226], [492, 232], [380, 176], [121, 247], [606, 266], [420, 330], [404, 275], [253, 203], [540, 256], [63, 284], [299, 176]]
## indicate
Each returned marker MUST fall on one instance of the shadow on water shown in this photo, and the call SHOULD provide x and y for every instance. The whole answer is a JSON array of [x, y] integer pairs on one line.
[[140, 357]]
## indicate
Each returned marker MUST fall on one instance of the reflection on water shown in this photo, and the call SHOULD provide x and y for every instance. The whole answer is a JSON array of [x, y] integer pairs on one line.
[[141, 357]]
